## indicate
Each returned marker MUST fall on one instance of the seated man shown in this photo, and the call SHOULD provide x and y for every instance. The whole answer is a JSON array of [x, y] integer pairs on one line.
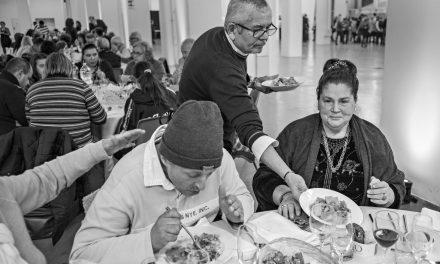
[[184, 167], [23, 193]]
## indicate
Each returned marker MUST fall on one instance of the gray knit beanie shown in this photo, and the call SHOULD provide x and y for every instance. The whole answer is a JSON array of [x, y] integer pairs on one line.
[[193, 139]]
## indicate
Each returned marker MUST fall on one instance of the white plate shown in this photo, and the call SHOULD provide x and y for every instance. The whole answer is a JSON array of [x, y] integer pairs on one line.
[[280, 88], [308, 197], [228, 240]]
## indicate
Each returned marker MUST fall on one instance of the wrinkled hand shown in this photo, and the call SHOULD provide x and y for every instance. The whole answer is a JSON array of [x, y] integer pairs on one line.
[[289, 207], [380, 193], [297, 184], [231, 207], [120, 141], [166, 229]]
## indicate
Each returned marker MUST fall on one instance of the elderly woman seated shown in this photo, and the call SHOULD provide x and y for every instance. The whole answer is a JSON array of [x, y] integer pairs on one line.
[[107, 55], [118, 47], [101, 69], [142, 51], [334, 149]]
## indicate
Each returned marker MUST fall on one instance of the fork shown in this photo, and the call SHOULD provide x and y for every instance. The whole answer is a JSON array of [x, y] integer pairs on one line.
[[196, 244]]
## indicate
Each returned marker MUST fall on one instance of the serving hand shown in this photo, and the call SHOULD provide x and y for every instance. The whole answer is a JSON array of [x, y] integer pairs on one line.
[[257, 83]]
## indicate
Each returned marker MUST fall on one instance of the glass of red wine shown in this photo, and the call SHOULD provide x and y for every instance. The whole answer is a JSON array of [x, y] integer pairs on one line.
[[386, 230]]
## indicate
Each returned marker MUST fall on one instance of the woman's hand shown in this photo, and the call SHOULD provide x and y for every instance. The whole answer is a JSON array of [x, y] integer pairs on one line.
[[289, 206], [380, 193], [120, 141]]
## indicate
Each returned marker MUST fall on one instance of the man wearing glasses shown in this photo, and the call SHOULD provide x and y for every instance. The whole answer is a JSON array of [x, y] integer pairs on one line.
[[215, 70]]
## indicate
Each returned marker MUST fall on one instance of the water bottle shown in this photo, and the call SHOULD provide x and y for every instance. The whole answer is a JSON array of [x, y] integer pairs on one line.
[[86, 74]]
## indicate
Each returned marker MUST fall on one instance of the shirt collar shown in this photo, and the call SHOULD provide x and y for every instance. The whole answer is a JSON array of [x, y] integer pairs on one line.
[[235, 47], [152, 169]]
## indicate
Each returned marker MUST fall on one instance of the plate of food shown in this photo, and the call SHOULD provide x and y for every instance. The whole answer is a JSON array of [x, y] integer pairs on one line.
[[292, 251], [340, 202], [281, 84], [215, 242]]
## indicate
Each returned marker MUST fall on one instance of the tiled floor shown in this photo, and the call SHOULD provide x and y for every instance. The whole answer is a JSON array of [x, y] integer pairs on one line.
[[279, 109]]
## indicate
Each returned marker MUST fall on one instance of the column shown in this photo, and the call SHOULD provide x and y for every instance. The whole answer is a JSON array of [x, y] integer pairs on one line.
[[79, 12], [168, 33], [113, 20], [323, 22], [92, 10], [411, 97], [291, 40], [203, 15], [139, 19]]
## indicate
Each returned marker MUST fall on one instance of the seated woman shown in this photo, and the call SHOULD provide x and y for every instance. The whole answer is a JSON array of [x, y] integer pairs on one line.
[[142, 51], [61, 101], [334, 149], [38, 63], [118, 47], [101, 70], [151, 99]]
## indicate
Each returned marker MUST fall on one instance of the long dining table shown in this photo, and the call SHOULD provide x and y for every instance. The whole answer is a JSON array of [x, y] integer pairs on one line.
[[366, 257]]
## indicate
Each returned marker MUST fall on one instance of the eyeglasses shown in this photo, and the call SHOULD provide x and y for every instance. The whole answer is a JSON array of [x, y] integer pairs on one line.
[[136, 53], [258, 33]]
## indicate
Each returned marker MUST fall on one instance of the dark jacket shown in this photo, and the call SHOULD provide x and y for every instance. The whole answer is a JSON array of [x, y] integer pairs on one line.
[[143, 107], [299, 145], [25, 148], [12, 103], [214, 72]]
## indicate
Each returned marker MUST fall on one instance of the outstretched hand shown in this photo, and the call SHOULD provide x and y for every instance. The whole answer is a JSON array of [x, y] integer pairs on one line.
[[120, 141], [257, 83]]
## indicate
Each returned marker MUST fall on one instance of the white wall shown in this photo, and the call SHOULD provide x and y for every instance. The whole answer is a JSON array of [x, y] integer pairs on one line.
[[48, 9], [16, 15], [411, 96], [203, 15], [139, 19], [341, 8]]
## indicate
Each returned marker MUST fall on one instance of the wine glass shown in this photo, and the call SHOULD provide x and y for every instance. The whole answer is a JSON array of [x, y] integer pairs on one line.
[[342, 235], [386, 230], [248, 246], [321, 221], [421, 241]]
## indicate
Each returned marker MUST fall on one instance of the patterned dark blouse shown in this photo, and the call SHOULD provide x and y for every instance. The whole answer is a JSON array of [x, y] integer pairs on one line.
[[348, 179]]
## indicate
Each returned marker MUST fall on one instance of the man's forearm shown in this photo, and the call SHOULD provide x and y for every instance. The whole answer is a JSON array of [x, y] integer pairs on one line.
[[272, 160]]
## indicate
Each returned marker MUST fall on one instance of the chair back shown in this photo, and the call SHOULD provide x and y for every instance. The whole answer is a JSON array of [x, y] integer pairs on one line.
[[150, 124]]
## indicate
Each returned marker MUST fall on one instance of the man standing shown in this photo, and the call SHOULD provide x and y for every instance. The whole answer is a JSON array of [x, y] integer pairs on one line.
[[14, 78], [215, 70], [184, 167], [94, 23]]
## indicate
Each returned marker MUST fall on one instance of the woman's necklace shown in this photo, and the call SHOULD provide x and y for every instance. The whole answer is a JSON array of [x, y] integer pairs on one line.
[[327, 150]]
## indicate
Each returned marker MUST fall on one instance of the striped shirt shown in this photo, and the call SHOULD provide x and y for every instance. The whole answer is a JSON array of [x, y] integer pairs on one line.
[[64, 103], [44, 30]]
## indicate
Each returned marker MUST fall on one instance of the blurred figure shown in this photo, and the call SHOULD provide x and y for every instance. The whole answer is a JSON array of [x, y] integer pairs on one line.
[[66, 38], [43, 29], [90, 38], [185, 48], [5, 36], [142, 51], [118, 47], [78, 26], [135, 37], [94, 23], [107, 55], [70, 29], [38, 63], [60, 46], [36, 47], [13, 79], [25, 46], [17, 42], [80, 40], [47, 47]]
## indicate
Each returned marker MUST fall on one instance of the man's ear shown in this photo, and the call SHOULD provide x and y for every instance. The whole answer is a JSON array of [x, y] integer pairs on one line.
[[230, 30]]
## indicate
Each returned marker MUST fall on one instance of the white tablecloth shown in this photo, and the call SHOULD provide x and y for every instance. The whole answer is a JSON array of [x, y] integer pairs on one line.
[[358, 258]]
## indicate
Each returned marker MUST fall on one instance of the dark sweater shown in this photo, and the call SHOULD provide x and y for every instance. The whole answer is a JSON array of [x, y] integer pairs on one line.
[[299, 147], [214, 72], [110, 57], [12, 103]]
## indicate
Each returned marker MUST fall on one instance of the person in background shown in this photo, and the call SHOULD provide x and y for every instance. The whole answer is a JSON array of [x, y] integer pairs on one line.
[[215, 70], [334, 149], [36, 47], [25, 46], [107, 55], [78, 26], [47, 47], [61, 101], [80, 41], [66, 38], [94, 23], [38, 63], [182, 167], [21, 194], [60, 46], [135, 37], [90, 38], [17, 42], [150, 99], [118, 47], [43, 29], [185, 48], [70, 29], [101, 70], [13, 79], [5, 36], [99, 33], [142, 51]]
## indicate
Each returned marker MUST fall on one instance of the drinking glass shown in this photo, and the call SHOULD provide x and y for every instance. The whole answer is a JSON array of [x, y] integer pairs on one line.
[[321, 221], [421, 244], [342, 235], [386, 230], [248, 246]]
